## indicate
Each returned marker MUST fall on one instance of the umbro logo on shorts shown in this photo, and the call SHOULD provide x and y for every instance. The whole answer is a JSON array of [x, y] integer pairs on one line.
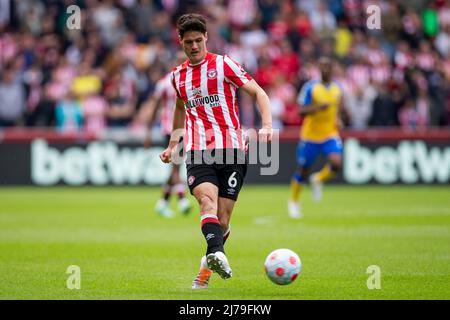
[[191, 180]]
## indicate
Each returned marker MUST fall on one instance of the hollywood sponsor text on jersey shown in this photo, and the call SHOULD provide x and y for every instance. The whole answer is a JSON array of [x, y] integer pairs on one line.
[[208, 101]]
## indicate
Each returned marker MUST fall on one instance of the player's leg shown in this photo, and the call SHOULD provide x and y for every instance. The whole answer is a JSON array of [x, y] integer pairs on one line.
[[206, 194], [178, 188], [297, 183], [207, 197], [162, 206], [224, 211], [225, 207], [231, 180], [306, 155], [332, 149]]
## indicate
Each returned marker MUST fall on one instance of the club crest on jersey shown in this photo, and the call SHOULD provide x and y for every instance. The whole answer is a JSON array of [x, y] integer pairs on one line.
[[212, 74]]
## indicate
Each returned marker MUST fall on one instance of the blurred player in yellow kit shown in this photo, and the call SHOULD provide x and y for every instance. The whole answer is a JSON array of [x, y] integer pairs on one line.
[[319, 102]]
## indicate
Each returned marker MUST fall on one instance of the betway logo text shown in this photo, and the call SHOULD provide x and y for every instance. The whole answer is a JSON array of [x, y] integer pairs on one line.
[[99, 163], [409, 162]]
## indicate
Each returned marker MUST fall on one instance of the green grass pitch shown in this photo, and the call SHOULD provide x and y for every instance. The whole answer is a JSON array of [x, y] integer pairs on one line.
[[126, 251]]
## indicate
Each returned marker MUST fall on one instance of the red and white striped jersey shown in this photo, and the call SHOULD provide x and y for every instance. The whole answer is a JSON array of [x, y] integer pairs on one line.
[[167, 95], [208, 90]]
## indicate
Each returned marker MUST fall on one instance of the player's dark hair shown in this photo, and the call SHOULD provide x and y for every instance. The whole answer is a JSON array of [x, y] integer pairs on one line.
[[191, 22]]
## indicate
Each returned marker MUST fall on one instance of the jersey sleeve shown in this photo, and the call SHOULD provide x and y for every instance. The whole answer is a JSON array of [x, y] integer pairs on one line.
[[172, 82], [235, 73], [305, 96]]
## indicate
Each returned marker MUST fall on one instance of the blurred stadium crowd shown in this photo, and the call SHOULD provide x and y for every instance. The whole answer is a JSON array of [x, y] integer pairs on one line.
[[101, 75]]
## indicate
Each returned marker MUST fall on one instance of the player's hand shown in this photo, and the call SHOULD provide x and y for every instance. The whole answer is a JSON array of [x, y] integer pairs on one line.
[[339, 123], [323, 106], [265, 134], [166, 155]]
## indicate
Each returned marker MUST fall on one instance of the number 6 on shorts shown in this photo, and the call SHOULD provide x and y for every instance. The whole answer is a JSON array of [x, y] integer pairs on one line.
[[232, 181]]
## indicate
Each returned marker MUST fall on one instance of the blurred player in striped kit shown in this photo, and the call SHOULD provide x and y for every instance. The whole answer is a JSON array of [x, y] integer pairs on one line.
[[207, 115], [162, 104]]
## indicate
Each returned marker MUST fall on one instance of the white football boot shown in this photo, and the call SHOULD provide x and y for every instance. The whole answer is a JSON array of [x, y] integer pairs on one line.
[[294, 209], [163, 209], [202, 278], [218, 263], [316, 187]]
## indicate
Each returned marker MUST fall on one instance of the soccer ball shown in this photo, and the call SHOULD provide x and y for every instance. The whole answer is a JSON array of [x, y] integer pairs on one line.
[[282, 266]]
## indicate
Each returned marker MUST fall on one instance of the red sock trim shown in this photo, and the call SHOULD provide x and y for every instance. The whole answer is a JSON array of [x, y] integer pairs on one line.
[[210, 220], [226, 235]]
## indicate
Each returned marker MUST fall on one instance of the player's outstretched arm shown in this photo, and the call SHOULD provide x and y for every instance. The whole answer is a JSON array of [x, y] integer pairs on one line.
[[309, 109], [263, 103], [177, 131], [149, 111], [342, 114]]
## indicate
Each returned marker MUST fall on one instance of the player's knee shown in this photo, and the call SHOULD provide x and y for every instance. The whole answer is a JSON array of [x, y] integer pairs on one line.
[[300, 175]]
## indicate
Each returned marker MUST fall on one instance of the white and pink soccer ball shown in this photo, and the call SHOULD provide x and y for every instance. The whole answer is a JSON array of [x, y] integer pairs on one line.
[[283, 266]]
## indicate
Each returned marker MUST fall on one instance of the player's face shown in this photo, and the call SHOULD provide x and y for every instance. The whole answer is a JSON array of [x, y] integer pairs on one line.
[[326, 69], [194, 45]]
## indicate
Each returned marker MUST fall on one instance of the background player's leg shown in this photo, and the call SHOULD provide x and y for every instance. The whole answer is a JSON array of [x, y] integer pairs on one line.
[[297, 181], [224, 213], [332, 149], [178, 188], [333, 166], [306, 155], [162, 206]]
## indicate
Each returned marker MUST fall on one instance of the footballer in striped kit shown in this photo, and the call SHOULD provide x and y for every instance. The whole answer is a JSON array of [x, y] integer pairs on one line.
[[208, 115]]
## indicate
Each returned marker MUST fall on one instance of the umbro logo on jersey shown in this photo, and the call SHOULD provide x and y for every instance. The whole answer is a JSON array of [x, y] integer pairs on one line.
[[196, 91], [212, 74]]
